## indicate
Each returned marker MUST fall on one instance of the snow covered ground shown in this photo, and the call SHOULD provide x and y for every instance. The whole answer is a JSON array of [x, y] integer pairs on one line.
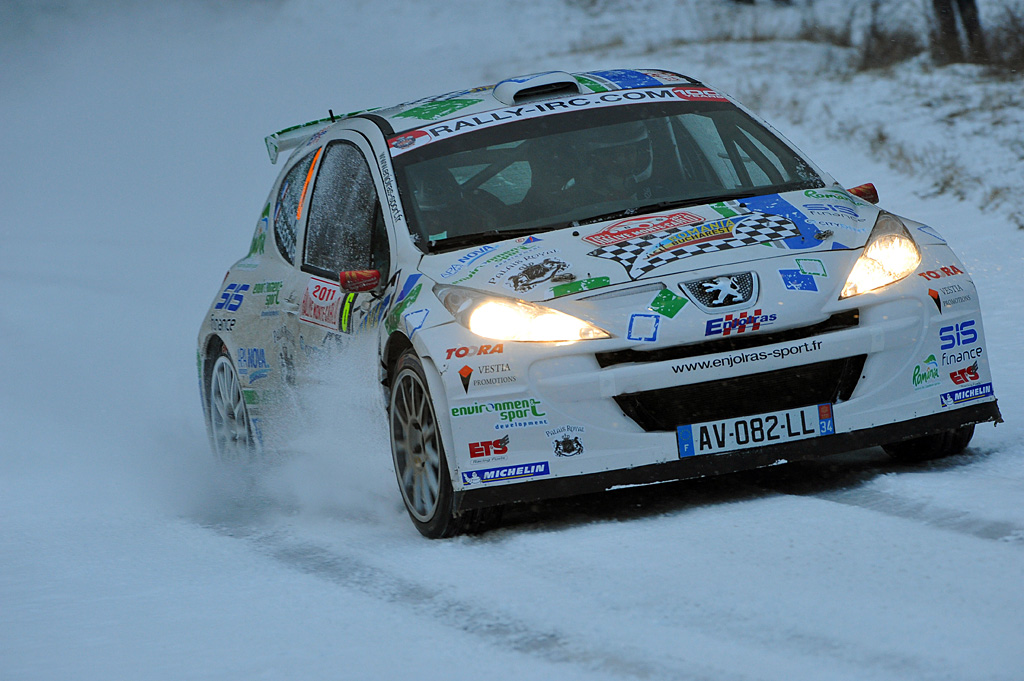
[[133, 173]]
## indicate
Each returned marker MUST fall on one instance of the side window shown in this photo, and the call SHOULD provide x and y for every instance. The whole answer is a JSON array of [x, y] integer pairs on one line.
[[288, 210], [346, 228]]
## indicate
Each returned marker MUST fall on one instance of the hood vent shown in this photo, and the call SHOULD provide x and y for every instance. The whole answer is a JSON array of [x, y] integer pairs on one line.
[[536, 86]]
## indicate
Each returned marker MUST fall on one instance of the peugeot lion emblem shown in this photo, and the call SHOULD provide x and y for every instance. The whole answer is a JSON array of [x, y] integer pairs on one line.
[[722, 292]]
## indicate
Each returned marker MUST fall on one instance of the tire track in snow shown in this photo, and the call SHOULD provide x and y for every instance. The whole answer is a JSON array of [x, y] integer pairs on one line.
[[849, 487], [929, 514], [498, 629], [542, 641]]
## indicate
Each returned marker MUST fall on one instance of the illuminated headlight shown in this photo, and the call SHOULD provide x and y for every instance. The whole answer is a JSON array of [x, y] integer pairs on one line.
[[889, 255], [510, 319]]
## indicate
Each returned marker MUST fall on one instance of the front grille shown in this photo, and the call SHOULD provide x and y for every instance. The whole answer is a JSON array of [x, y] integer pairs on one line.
[[837, 322], [707, 293], [662, 410]]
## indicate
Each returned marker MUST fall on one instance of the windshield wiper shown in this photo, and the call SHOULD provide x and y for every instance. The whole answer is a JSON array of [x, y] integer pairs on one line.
[[665, 205], [486, 237]]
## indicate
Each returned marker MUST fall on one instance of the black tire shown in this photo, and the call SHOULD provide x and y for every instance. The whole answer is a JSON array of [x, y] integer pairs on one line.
[[418, 452], [230, 429], [929, 447]]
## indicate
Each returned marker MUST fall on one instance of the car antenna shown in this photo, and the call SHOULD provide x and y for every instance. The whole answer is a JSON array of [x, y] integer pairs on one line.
[[331, 111]]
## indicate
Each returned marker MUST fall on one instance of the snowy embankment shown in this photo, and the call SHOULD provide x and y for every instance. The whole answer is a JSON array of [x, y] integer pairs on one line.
[[133, 175]]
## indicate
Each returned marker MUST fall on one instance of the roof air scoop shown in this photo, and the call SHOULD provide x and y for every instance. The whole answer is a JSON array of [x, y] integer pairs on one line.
[[536, 86]]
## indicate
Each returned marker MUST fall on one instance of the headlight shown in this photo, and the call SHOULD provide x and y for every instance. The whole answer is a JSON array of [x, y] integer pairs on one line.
[[889, 255], [511, 319]]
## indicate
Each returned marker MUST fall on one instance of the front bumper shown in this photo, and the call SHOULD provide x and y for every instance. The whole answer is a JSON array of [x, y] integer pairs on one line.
[[532, 421], [702, 466]]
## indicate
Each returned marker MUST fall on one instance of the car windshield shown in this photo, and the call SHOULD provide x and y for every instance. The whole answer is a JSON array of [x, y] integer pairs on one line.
[[555, 171]]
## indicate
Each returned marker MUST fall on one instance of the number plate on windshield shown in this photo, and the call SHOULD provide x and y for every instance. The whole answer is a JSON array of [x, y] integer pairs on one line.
[[713, 437]]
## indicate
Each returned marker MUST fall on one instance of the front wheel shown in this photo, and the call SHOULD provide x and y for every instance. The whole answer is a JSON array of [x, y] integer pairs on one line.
[[934, 446], [420, 463]]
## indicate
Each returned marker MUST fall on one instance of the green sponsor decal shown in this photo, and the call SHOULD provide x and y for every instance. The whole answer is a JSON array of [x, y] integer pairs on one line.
[[259, 238], [667, 303], [582, 285], [724, 210], [594, 86], [251, 396], [811, 266], [926, 375], [270, 289], [391, 323], [830, 194], [496, 258], [346, 312], [432, 111], [510, 413]]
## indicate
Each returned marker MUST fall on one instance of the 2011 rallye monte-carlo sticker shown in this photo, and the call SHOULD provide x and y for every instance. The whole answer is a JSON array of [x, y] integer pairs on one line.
[[761, 430]]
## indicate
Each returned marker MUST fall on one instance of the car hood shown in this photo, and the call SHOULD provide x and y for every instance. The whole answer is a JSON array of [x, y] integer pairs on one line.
[[657, 245]]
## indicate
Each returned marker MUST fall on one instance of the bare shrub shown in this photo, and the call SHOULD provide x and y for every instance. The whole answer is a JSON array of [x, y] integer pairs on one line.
[[813, 31], [1006, 42], [882, 45]]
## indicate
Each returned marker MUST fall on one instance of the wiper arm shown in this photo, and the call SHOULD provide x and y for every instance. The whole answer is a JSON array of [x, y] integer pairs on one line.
[[664, 205], [485, 237]]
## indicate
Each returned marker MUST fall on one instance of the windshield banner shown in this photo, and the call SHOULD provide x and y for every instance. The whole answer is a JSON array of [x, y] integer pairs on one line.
[[414, 139]]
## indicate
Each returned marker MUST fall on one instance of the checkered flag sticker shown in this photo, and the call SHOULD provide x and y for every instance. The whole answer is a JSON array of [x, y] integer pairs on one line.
[[642, 254]]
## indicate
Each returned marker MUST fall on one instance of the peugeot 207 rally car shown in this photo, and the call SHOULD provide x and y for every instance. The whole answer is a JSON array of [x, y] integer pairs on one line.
[[586, 280]]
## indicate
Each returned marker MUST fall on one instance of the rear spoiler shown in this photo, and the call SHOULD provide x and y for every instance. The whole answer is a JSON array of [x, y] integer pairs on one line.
[[290, 138]]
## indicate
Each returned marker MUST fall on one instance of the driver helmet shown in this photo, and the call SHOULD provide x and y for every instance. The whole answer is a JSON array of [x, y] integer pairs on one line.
[[619, 157]]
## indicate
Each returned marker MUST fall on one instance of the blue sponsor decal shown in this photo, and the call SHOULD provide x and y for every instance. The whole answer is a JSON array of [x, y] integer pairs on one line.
[[409, 283], [231, 297], [957, 335], [414, 321], [627, 78], [527, 470], [522, 79], [531, 240], [930, 231], [257, 429], [258, 374], [795, 280], [739, 323], [776, 205], [251, 358], [684, 435], [977, 392], [643, 327], [467, 259], [826, 426]]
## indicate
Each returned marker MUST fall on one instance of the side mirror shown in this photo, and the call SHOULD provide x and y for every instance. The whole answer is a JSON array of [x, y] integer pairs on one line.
[[357, 281], [865, 191]]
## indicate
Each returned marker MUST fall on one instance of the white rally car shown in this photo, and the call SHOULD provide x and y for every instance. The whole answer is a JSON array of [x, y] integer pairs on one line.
[[586, 280]]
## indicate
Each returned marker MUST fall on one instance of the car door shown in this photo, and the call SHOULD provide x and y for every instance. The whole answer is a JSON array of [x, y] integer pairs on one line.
[[344, 232]]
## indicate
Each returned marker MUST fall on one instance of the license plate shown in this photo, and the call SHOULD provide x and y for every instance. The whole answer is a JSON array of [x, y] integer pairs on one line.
[[713, 437]]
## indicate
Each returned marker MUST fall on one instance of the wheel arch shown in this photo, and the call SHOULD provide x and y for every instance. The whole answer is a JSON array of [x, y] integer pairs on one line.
[[395, 345], [209, 350]]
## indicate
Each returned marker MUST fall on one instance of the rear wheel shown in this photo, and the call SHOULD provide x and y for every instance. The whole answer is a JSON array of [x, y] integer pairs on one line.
[[230, 432], [418, 452], [934, 446]]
